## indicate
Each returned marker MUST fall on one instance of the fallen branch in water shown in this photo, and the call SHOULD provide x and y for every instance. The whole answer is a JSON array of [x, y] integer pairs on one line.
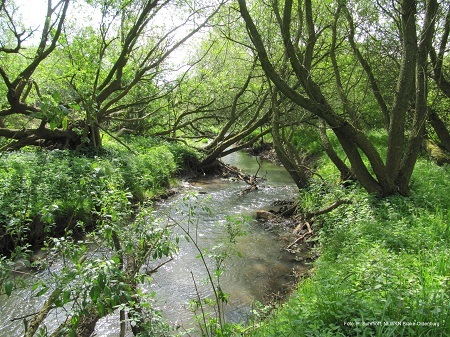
[[251, 180]]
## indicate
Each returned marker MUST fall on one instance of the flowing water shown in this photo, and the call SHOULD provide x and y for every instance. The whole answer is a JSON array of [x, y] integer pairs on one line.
[[263, 270]]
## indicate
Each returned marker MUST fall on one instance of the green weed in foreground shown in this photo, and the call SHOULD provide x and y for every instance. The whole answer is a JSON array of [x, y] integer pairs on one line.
[[384, 268]]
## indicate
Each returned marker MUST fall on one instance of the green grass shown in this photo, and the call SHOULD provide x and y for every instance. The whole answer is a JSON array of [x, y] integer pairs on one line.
[[384, 265]]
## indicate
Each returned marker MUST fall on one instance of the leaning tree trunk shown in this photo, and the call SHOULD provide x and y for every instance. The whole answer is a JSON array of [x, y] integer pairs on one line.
[[43, 137], [58, 138], [441, 130], [346, 172], [234, 142], [291, 161], [380, 177]]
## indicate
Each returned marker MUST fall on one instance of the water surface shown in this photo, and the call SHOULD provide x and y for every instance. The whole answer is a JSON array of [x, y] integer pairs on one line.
[[263, 270]]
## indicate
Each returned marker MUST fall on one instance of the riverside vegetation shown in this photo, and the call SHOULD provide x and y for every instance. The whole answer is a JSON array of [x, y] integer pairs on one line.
[[382, 268], [65, 202], [46, 192], [93, 110]]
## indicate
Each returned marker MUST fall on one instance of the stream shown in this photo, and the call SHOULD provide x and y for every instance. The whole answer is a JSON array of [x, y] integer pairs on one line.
[[263, 271]]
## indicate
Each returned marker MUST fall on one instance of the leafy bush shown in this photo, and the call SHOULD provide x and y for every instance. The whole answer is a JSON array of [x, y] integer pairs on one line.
[[39, 189], [185, 157], [45, 196]]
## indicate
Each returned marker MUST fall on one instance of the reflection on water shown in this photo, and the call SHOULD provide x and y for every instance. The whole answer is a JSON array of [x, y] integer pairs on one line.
[[263, 269]]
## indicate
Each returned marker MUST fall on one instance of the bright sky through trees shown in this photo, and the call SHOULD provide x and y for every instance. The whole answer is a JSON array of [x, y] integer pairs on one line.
[[32, 11], [33, 14]]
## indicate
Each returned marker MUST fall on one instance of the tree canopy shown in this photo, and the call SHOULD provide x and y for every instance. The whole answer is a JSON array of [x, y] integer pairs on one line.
[[229, 74]]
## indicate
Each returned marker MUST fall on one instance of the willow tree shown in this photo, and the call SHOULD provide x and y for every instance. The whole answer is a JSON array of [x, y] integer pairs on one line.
[[17, 77], [308, 41], [222, 99], [225, 98], [441, 77], [109, 69]]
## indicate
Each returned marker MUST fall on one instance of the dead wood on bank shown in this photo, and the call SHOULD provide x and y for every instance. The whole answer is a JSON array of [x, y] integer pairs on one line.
[[307, 219], [301, 221]]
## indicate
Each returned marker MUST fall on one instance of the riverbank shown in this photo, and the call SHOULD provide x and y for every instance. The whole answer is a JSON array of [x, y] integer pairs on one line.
[[90, 215], [383, 264], [377, 267], [56, 192], [105, 266]]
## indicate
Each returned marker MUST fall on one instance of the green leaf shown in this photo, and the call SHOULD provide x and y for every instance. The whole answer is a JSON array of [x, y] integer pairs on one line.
[[66, 296], [74, 320], [101, 281], [53, 125], [56, 97], [42, 291], [9, 285], [94, 293], [378, 286], [65, 123], [75, 107], [101, 308]]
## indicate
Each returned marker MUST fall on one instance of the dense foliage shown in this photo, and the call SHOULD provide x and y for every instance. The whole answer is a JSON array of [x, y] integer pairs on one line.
[[98, 113], [383, 266], [50, 192], [51, 198]]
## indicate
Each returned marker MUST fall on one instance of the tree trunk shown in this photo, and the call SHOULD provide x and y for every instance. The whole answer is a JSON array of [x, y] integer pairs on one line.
[[383, 178], [346, 172], [291, 161], [52, 138], [417, 130], [227, 144], [441, 130], [57, 138], [94, 136]]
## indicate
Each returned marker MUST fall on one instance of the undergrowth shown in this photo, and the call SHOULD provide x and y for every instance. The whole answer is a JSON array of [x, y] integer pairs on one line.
[[384, 265], [49, 192]]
